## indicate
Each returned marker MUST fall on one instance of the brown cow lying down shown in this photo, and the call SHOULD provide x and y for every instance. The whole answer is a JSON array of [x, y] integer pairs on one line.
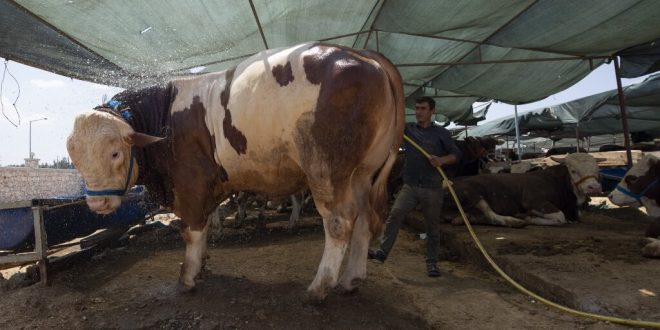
[[546, 197], [641, 185], [313, 115]]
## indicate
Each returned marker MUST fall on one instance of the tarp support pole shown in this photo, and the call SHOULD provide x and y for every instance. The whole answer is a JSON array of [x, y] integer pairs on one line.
[[622, 107], [518, 149], [577, 136], [256, 18]]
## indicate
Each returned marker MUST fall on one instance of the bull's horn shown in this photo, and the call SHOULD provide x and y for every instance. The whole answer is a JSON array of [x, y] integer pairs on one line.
[[143, 140], [558, 159]]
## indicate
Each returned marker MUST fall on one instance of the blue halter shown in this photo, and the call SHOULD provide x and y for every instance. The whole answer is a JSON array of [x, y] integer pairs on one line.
[[637, 197], [126, 115]]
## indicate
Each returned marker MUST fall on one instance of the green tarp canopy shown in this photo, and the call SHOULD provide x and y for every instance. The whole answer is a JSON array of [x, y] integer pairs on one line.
[[593, 115], [456, 51]]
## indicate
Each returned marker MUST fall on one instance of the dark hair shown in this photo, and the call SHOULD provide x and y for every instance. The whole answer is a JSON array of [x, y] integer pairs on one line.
[[426, 99]]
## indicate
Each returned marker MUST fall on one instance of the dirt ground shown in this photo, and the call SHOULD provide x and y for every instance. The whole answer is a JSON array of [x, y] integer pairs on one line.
[[257, 280]]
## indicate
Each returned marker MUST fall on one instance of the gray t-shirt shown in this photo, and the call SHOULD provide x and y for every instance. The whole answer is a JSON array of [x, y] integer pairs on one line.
[[436, 140]]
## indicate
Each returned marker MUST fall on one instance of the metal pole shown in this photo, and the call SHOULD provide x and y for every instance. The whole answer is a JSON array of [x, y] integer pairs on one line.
[[577, 136], [622, 107], [30, 149], [515, 110]]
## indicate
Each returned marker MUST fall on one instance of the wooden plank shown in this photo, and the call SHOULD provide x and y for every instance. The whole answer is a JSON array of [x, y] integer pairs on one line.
[[20, 258], [612, 159], [15, 205], [617, 158]]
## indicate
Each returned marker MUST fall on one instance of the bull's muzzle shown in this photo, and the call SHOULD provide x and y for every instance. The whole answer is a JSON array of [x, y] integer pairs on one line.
[[103, 204]]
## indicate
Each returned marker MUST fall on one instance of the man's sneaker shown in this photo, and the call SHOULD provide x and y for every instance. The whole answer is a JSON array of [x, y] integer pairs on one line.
[[432, 270], [377, 255]]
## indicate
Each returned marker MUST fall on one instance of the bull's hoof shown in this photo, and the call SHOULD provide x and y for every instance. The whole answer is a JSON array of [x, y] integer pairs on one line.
[[314, 300], [316, 297], [346, 291], [350, 287], [652, 248], [516, 224], [184, 288]]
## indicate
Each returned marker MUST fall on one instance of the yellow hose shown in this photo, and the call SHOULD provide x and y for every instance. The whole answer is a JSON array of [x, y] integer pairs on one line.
[[511, 281]]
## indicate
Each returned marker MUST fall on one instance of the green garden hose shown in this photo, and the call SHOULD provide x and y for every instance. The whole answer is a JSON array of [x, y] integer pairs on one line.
[[511, 281]]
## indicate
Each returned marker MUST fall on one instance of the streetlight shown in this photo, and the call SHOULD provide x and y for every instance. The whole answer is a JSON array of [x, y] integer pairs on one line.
[[30, 155]]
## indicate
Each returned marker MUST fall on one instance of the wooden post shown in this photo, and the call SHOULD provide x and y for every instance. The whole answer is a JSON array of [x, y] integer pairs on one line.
[[40, 243]]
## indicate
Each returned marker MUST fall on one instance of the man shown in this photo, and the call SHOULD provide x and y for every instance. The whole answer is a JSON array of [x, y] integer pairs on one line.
[[422, 184]]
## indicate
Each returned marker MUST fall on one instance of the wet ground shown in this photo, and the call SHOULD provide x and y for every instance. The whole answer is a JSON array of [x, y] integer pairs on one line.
[[258, 277]]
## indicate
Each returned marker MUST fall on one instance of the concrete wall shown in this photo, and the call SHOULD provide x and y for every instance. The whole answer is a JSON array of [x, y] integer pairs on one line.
[[25, 183]]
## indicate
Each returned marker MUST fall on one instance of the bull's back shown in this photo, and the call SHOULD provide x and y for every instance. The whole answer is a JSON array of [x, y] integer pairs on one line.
[[282, 110]]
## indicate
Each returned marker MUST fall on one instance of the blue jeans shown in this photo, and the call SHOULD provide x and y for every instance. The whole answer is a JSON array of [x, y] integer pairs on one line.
[[406, 201]]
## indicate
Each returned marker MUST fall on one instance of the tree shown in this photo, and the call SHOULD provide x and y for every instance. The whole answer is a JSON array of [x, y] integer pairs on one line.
[[63, 163]]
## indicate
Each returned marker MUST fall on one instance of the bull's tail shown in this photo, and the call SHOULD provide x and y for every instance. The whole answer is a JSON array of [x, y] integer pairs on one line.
[[378, 195]]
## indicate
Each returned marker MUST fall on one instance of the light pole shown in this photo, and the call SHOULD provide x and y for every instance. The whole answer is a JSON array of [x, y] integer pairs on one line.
[[30, 155]]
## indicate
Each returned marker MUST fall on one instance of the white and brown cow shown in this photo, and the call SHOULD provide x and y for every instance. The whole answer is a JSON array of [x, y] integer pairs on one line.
[[316, 115], [547, 197], [641, 185]]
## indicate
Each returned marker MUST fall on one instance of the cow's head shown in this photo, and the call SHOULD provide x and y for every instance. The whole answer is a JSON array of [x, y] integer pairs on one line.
[[101, 147], [583, 169], [640, 181]]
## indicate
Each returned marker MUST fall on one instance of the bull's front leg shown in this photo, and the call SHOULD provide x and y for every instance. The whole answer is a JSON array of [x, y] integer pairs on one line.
[[196, 244], [496, 219], [546, 214]]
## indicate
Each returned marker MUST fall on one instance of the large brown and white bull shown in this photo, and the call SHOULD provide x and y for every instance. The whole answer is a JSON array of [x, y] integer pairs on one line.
[[316, 115], [547, 197], [641, 185]]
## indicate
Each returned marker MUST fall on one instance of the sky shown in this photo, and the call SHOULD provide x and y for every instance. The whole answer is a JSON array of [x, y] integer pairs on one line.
[[42, 94]]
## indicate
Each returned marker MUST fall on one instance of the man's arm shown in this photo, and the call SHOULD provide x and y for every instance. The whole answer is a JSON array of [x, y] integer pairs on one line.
[[454, 153]]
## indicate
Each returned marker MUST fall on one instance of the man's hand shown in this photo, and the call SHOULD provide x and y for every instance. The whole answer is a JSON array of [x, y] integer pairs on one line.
[[439, 161]]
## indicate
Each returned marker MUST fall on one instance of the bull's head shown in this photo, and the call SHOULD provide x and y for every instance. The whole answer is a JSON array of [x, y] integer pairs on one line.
[[583, 169], [101, 147], [643, 177]]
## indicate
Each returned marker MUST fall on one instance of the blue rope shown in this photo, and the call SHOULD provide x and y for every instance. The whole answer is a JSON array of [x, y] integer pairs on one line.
[[637, 197]]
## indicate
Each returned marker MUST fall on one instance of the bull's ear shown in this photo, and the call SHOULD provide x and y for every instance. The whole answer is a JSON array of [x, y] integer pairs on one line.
[[142, 140], [600, 159], [558, 160]]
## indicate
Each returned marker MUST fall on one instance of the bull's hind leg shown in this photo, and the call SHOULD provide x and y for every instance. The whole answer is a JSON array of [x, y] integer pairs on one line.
[[296, 200], [337, 225], [496, 219], [356, 269], [195, 252]]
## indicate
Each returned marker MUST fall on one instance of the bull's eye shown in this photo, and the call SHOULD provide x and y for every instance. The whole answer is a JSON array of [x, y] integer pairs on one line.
[[115, 154]]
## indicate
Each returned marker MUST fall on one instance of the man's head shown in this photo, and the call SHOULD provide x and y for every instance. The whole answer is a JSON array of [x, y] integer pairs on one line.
[[424, 110]]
